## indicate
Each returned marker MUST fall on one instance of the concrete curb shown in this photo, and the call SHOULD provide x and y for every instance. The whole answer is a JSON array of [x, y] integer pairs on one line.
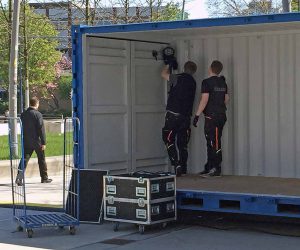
[[54, 164]]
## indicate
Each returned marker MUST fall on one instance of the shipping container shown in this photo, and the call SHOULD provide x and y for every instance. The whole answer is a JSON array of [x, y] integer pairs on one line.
[[120, 97]]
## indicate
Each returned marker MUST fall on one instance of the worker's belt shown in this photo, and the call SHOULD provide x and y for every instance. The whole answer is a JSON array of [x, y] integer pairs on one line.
[[173, 113]]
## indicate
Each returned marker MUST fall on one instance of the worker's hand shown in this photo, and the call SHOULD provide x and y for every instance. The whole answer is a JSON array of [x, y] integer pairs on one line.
[[195, 121], [43, 147], [166, 67]]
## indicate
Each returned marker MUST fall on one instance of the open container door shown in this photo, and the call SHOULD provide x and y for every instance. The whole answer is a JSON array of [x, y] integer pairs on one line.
[[148, 107], [107, 112], [124, 110]]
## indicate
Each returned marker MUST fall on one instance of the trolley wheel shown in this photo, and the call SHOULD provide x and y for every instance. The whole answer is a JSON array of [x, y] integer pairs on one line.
[[116, 226], [141, 229], [20, 229], [29, 233], [72, 230]]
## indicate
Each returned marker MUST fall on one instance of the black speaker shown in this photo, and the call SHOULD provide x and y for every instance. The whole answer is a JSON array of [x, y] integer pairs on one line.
[[90, 195]]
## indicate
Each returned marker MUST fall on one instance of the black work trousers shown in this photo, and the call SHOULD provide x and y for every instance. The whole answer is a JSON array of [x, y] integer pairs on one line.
[[176, 135], [213, 129], [41, 160]]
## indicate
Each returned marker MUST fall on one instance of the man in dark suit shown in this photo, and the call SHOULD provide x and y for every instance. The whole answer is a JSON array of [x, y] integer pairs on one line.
[[34, 139]]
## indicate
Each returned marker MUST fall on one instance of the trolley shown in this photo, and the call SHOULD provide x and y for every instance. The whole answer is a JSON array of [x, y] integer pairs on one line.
[[69, 216]]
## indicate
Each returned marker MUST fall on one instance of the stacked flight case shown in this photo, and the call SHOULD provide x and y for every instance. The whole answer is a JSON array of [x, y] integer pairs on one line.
[[141, 198]]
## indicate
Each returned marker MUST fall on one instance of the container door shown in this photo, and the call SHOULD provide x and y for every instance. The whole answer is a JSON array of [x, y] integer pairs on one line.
[[148, 108], [107, 105]]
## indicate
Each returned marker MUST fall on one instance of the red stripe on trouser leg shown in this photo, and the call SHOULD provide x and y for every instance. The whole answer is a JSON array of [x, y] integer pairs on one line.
[[169, 136], [217, 140]]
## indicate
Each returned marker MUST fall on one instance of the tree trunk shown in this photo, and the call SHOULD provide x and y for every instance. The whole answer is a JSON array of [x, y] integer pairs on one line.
[[69, 28], [13, 76], [87, 12], [93, 14], [26, 68], [183, 11], [9, 26], [151, 10], [286, 6], [126, 11]]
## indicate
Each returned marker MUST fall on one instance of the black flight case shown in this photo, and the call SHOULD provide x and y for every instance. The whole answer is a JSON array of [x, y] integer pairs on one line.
[[142, 198]]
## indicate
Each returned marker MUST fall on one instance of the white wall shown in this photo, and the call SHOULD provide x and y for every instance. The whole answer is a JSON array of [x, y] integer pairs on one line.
[[262, 134], [55, 127], [4, 129]]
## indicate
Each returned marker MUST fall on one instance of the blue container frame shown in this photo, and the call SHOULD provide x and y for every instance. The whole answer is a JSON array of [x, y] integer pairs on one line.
[[79, 30], [259, 203], [240, 203]]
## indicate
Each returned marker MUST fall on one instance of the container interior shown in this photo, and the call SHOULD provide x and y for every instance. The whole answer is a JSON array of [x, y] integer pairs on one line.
[[124, 98], [242, 184]]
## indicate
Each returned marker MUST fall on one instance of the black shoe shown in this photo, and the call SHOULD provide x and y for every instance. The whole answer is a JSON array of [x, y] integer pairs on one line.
[[19, 182], [214, 173], [178, 171], [183, 171], [204, 173], [46, 181]]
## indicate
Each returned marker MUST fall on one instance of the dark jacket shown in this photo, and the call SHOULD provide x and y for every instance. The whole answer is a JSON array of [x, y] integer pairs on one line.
[[182, 94], [217, 89], [33, 128]]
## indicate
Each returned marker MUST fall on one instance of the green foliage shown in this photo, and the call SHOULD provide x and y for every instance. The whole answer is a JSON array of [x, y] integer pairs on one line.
[[171, 12], [3, 107], [65, 86], [4, 51], [55, 145], [41, 47], [295, 5], [58, 113]]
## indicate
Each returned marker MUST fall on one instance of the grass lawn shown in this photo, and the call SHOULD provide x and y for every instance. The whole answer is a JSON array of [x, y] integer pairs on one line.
[[55, 145]]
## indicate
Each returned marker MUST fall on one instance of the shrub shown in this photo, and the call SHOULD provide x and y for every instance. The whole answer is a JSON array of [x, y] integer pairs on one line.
[[3, 107]]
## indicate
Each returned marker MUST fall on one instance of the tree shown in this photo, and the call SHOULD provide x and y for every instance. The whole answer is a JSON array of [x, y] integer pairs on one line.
[[242, 7], [170, 12], [4, 47], [152, 8], [58, 89], [41, 48], [295, 5]]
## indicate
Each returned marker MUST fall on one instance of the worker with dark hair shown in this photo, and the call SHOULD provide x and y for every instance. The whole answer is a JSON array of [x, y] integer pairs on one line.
[[34, 139], [178, 116], [213, 102]]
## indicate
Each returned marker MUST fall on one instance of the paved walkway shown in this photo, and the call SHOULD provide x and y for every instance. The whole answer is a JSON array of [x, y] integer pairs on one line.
[[44, 194], [90, 237], [95, 236]]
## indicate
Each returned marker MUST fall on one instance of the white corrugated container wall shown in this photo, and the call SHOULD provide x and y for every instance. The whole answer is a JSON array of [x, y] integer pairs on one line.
[[262, 136], [261, 64]]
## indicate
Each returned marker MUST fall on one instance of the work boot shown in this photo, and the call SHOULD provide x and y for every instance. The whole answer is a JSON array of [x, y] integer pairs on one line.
[[178, 171], [19, 180], [205, 171], [46, 180], [183, 170], [214, 172]]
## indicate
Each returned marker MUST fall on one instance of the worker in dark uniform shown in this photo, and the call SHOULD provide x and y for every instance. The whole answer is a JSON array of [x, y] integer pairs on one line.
[[34, 139], [213, 102], [178, 116]]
